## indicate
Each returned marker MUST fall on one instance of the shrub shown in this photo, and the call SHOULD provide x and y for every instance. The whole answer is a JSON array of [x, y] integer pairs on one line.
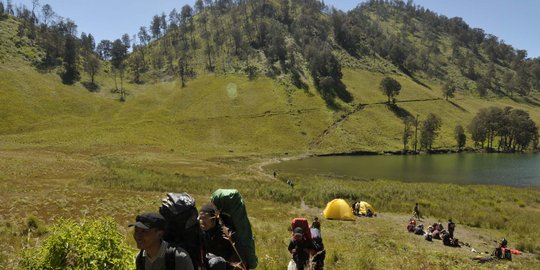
[[87, 245]]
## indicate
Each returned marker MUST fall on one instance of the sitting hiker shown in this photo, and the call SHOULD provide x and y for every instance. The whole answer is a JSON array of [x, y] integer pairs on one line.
[[502, 251], [451, 228], [155, 253], [300, 248], [411, 227], [220, 252], [428, 236], [369, 213], [440, 227], [419, 230], [356, 208], [436, 234], [449, 241]]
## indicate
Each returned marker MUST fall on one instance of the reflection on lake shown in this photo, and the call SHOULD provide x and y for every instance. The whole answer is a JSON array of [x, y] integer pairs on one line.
[[498, 169]]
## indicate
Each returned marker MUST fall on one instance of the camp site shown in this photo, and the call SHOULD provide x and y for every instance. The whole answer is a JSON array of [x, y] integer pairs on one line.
[[269, 134]]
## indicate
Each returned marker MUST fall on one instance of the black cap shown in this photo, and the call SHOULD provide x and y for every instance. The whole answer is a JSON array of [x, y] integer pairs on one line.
[[149, 220]]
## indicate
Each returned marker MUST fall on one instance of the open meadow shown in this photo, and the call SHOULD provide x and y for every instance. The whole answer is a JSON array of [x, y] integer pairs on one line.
[[69, 153]]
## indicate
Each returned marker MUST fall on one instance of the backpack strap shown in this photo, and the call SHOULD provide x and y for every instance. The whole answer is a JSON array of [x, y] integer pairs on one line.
[[170, 256], [139, 261]]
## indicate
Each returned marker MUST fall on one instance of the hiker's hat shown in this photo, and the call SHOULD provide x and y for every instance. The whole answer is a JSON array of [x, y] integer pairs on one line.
[[149, 220]]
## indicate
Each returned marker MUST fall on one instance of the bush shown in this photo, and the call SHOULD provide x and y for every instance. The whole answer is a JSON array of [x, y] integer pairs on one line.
[[88, 245]]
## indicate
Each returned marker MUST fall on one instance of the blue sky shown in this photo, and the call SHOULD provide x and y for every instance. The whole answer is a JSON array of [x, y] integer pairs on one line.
[[511, 20]]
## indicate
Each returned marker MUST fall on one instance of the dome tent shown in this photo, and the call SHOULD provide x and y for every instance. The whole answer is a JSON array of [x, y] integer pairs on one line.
[[364, 206], [338, 209]]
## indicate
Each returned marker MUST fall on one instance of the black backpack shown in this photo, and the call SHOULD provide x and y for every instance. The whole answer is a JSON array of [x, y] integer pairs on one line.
[[181, 225]]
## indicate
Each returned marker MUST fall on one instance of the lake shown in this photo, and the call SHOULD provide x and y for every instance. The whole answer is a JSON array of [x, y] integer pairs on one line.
[[464, 168]]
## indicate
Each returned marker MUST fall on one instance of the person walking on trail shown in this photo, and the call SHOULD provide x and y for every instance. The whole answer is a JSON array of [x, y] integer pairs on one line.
[[416, 212], [300, 248], [155, 253]]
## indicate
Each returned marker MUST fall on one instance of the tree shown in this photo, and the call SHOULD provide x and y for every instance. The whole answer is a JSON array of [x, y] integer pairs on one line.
[[47, 14], [155, 27], [92, 66], [104, 49], [71, 73], [407, 132], [390, 88], [118, 55], [2, 9], [429, 131], [449, 88], [461, 138]]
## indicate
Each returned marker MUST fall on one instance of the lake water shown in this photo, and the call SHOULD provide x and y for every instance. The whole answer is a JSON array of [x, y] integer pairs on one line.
[[468, 168]]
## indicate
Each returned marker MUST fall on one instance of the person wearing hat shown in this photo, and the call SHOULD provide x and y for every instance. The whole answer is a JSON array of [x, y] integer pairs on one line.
[[300, 248], [219, 251], [155, 253]]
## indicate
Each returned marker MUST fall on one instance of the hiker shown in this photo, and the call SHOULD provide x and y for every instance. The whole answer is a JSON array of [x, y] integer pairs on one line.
[[317, 261], [419, 230], [411, 227], [502, 251], [356, 208], [428, 235], [416, 212], [300, 248], [218, 241], [451, 227], [275, 174], [155, 253], [369, 213], [290, 183], [316, 224], [449, 241]]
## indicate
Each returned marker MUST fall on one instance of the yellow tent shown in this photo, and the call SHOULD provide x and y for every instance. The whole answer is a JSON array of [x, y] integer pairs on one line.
[[364, 206], [338, 209]]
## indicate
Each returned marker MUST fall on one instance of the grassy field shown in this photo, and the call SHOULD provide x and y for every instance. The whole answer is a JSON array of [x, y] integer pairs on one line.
[[68, 153]]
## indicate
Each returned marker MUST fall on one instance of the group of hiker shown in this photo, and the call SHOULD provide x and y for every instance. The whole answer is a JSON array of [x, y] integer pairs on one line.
[[435, 231], [181, 238]]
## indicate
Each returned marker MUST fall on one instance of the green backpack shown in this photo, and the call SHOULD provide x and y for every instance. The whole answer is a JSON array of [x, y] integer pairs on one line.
[[233, 213]]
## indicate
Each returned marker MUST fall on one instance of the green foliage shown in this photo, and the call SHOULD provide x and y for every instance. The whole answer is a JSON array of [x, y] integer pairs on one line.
[[93, 244], [514, 127], [390, 87], [429, 131]]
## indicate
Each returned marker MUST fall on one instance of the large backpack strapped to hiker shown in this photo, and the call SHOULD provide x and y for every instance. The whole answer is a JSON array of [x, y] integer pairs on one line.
[[233, 212], [181, 224], [302, 223]]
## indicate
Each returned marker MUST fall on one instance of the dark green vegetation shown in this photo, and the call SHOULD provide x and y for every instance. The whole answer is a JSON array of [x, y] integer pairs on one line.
[[206, 101]]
